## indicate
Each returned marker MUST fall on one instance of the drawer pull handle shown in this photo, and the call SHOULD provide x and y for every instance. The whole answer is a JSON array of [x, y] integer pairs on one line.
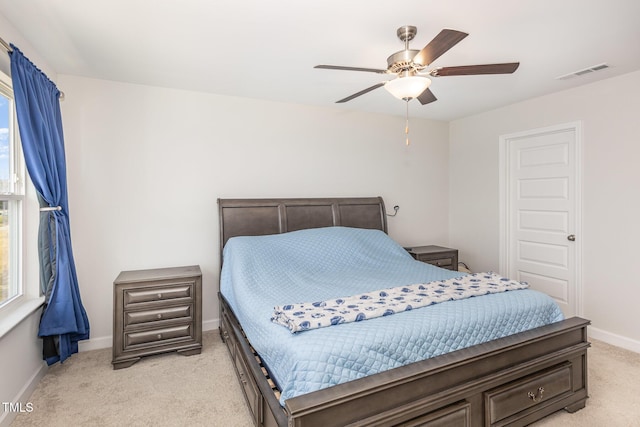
[[160, 337], [225, 335], [242, 380], [159, 296], [159, 316], [533, 397]]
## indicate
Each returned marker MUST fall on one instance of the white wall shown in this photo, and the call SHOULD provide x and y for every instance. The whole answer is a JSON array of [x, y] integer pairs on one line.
[[22, 364], [146, 165], [609, 111]]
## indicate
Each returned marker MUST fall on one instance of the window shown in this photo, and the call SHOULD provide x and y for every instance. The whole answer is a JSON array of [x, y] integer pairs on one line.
[[11, 198]]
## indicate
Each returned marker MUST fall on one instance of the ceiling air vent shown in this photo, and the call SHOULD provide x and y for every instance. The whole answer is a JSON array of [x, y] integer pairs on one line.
[[584, 71]]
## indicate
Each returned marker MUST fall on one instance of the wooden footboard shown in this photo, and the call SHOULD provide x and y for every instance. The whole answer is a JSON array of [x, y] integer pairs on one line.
[[514, 380]]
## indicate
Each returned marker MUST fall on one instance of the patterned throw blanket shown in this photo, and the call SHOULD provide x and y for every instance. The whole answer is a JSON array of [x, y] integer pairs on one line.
[[305, 316]]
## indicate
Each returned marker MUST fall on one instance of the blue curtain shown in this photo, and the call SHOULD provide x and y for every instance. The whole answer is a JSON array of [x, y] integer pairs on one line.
[[64, 321]]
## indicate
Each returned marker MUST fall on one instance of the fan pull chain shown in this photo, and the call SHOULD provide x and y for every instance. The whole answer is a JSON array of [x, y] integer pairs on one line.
[[406, 126]]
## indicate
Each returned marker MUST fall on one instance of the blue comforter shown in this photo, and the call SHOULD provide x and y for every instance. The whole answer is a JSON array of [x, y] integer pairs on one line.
[[261, 272]]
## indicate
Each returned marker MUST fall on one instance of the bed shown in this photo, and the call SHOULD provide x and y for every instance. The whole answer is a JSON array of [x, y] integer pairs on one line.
[[510, 376]]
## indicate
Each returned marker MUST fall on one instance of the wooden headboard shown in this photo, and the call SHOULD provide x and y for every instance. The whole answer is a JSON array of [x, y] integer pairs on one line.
[[257, 217]]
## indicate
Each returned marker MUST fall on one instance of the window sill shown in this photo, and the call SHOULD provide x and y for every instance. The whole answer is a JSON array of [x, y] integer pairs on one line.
[[17, 311]]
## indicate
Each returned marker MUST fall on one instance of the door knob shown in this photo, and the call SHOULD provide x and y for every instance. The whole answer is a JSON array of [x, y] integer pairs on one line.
[[571, 237]]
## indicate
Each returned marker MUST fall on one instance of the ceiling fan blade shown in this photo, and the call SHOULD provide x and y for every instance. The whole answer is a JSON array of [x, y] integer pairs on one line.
[[444, 41], [362, 92], [426, 97], [338, 67], [470, 70]]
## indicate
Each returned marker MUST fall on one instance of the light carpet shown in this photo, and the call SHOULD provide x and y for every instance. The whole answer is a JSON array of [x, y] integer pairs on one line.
[[202, 390]]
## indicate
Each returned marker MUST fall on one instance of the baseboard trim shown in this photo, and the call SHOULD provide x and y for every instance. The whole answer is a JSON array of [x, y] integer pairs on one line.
[[106, 342], [614, 339], [6, 418], [95, 343], [209, 325]]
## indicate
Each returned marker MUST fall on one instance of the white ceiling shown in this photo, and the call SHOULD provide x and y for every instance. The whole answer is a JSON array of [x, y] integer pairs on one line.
[[267, 49]]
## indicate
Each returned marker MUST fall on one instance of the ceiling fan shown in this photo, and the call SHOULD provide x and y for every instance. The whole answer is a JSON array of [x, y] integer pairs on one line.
[[411, 67]]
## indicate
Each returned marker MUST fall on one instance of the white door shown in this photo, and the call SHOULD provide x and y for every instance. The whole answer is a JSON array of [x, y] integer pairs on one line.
[[541, 212]]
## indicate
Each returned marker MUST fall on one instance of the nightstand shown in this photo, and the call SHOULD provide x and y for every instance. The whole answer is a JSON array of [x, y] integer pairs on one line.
[[436, 255], [156, 311]]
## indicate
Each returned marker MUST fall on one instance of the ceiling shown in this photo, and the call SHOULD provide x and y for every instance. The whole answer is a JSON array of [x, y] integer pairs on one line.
[[267, 49]]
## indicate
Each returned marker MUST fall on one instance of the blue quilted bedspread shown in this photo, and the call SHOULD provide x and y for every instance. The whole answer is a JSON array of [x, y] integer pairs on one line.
[[262, 272]]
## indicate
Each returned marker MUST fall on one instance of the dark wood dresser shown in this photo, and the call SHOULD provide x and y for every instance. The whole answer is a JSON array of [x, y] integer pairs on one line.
[[156, 311], [436, 255]]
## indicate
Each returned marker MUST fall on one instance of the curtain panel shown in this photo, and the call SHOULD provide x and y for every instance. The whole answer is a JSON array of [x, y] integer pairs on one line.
[[64, 321]]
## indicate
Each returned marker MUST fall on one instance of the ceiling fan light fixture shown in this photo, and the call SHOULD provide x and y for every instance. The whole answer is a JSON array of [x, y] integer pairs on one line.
[[408, 87]]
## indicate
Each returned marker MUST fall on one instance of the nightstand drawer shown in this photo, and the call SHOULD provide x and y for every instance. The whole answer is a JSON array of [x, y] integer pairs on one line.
[[440, 262], [436, 255], [138, 317], [156, 335], [157, 294]]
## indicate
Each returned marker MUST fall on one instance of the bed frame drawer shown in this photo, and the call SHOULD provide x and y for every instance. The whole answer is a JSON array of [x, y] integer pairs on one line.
[[541, 389], [453, 416], [417, 414], [247, 381], [251, 392], [227, 335]]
